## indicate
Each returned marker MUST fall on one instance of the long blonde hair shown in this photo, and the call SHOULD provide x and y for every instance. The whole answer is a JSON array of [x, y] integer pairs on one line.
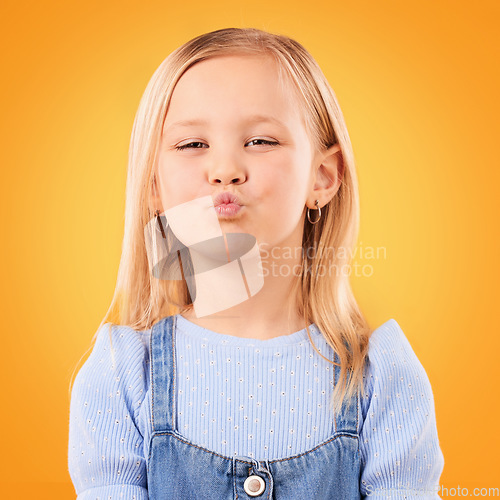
[[140, 300]]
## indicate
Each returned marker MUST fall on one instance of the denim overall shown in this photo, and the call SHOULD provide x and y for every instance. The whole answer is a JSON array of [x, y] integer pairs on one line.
[[180, 469]]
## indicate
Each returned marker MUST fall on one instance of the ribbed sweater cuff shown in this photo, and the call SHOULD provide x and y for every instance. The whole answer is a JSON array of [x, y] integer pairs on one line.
[[115, 492]]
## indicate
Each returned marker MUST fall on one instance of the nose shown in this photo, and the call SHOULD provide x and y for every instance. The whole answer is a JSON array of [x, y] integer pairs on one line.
[[226, 175]]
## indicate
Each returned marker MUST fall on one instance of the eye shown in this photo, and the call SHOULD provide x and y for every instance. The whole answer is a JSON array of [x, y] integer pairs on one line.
[[197, 144], [269, 143], [186, 146]]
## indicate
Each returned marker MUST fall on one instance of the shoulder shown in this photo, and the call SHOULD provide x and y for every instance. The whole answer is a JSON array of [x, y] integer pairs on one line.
[[386, 335], [122, 341], [119, 360], [117, 346], [393, 371], [389, 348]]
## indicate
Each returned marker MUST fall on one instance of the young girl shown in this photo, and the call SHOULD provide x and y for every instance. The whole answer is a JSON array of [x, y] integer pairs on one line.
[[241, 365]]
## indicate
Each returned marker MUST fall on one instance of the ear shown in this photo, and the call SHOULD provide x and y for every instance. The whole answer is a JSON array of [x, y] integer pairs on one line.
[[327, 176], [155, 198]]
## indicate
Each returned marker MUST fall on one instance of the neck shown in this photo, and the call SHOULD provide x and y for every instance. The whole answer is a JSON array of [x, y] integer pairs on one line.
[[257, 304]]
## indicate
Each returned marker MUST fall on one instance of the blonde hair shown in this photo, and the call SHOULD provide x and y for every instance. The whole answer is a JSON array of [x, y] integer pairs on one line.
[[140, 300]]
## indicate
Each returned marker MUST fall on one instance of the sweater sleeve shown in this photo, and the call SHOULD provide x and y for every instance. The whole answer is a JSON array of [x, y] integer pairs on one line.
[[105, 450], [399, 445]]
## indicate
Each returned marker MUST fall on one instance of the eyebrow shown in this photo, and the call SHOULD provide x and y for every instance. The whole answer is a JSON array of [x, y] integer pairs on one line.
[[250, 120]]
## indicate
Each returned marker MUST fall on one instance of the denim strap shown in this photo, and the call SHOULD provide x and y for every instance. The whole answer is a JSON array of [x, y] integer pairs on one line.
[[163, 400], [347, 421]]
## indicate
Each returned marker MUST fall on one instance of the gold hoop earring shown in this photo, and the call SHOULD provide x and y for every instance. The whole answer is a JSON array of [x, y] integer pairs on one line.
[[319, 213]]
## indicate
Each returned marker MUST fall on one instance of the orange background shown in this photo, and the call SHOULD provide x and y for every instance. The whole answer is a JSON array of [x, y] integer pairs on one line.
[[418, 87]]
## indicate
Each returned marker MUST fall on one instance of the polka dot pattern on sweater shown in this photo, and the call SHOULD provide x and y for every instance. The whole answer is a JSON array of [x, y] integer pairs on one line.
[[247, 397]]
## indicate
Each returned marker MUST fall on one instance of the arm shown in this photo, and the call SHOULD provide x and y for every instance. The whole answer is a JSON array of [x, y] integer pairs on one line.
[[105, 450], [399, 445]]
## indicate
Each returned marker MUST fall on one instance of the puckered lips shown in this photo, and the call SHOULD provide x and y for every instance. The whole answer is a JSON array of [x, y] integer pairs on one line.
[[227, 205]]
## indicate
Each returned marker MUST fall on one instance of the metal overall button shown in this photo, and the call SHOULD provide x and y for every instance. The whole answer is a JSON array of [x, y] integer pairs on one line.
[[254, 486]]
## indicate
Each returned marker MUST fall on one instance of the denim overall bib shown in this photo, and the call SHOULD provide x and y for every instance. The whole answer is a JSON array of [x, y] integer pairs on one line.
[[178, 469]]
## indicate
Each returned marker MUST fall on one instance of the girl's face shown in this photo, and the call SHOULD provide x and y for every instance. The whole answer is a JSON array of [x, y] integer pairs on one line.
[[249, 139]]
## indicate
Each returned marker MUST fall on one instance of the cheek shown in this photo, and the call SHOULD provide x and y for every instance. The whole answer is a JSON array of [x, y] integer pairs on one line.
[[286, 183], [175, 184], [282, 200]]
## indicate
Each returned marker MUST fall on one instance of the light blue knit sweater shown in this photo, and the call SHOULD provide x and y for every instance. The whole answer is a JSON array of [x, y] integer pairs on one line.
[[265, 399]]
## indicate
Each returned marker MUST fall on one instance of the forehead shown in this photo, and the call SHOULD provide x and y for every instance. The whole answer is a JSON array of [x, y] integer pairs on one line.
[[233, 87]]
